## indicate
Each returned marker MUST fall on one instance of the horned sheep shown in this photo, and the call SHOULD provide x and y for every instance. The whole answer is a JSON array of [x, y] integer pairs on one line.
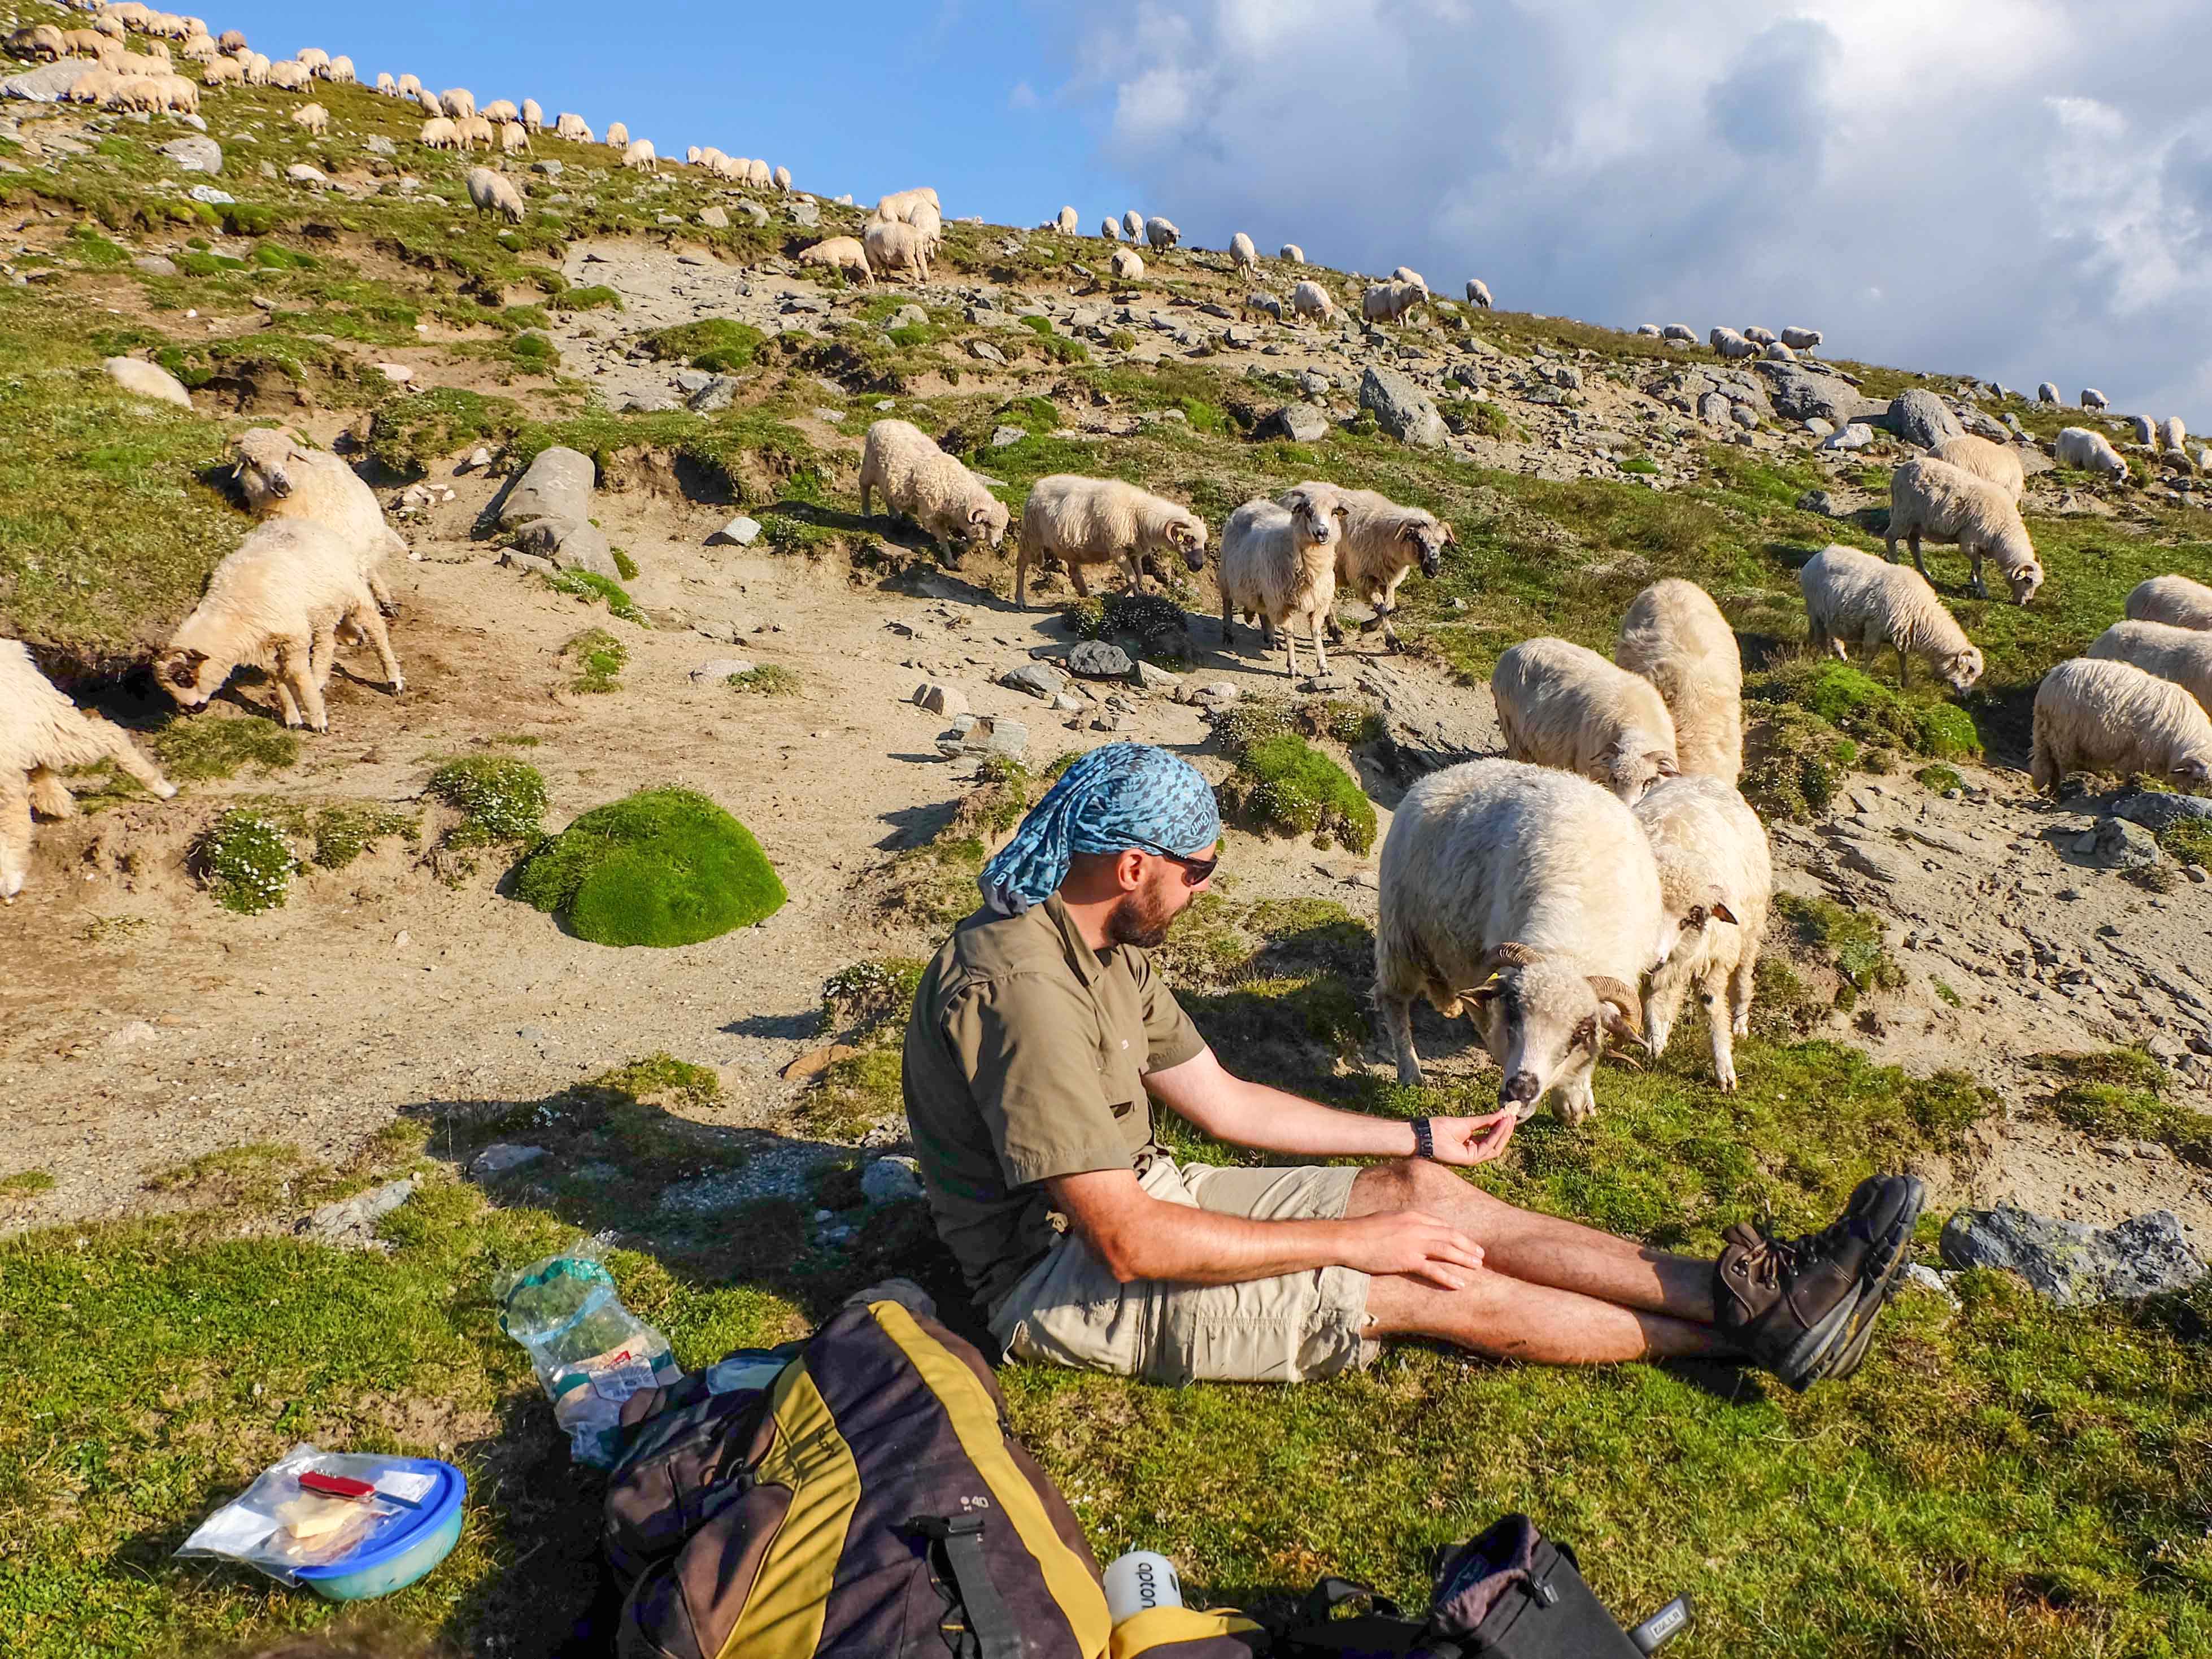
[[1854, 598], [1527, 900], [1935, 501], [2182, 655], [1083, 521], [1279, 564], [1716, 882], [42, 734], [893, 248], [1674, 636], [2089, 452], [1382, 541], [493, 191], [919, 481], [843, 253], [1992, 463], [1242, 254], [1561, 704], [2097, 716], [2174, 600], [283, 478]]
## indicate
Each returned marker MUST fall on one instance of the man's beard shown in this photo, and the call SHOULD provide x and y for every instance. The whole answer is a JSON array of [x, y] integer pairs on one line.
[[1132, 922]]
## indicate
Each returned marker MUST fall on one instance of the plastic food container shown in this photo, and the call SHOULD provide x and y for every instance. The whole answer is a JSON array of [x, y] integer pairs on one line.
[[403, 1550]]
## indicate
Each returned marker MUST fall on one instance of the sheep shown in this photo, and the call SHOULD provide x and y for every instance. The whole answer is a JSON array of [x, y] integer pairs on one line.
[[759, 175], [1527, 900], [500, 109], [1800, 339], [781, 177], [409, 86], [892, 248], [1382, 541], [1478, 293], [2090, 452], [572, 127], [1675, 637], [2141, 429], [1561, 704], [1133, 225], [1312, 299], [1407, 274], [281, 479], [232, 40], [2174, 600], [385, 85], [278, 601], [313, 57], [928, 223], [198, 50], [1853, 596], [1934, 500], [458, 102], [513, 138], [223, 72], [1778, 353], [1761, 337], [1161, 234], [93, 87], [920, 481], [2097, 716], [1730, 344], [1279, 564], [1390, 303], [638, 153], [1110, 229], [2091, 398], [1716, 882], [439, 133], [843, 253], [338, 71], [1083, 521], [533, 116], [428, 102], [2046, 392], [2173, 434], [88, 43], [2182, 655], [43, 733], [1993, 462], [178, 93], [1680, 332], [492, 191], [1293, 254], [474, 130], [893, 208], [313, 117], [1127, 265], [41, 42], [1065, 222], [1242, 254], [289, 76]]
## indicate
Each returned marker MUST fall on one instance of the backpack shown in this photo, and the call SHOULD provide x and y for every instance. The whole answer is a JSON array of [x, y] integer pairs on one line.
[[857, 1496]]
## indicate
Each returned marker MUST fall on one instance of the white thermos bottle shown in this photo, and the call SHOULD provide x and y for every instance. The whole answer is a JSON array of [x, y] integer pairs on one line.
[[1139, 1582]]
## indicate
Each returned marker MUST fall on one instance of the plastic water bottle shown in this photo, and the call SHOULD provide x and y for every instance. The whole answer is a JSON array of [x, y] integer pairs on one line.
[[1139, 1582]]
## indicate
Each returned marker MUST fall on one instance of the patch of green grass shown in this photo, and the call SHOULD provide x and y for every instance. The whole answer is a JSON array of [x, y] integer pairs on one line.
[[1939, 779], [1642, 465], [338, 832], [255, 1173], [715, 343], [854, 1096], [2120, 1095], [1249, 721], [532, 353], [1946, 994], [769, 678], [589, 585], [244, 860], [208, 746], [1284, 786], [625, 566], [87, 246], [598, 659], [598, 296], [24, 1182], [2189, 840], [501, 800], [663, 868], [664, 1076], [868, 996], [1794, 762], [1850, 939], [408, 436]]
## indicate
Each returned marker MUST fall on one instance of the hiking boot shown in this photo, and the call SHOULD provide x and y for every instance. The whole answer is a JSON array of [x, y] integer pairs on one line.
[[1896, 1247], [1797, 1305]]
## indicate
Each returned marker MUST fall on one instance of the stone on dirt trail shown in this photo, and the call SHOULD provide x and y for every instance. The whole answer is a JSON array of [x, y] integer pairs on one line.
[[740, 531], [1034, 678], [558, 485], [351, 1223], [890, 1180], [939, 698], [502, 1158], [1097, 660], [715, 670], [2074, 1264], [2117, 844]]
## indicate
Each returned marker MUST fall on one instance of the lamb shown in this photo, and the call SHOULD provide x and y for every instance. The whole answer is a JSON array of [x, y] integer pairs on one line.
[[1065, 222], [1390, 303], [638, 153], [2092, 398], [2097, 716], [440, 133], [1312, 299], [1731, 344], [1994, 463], [491, 190], [1293, 254], [928, 224], [1161, 234], [920, 481], [1716, 881], [893, 248], [1083, 521], [283, 478], [1675, 637], [1133, 225], [1382, 541], [1561, 704], [1934, 500], [2174, 600], [1478, 293], [457, 101], [2173, 434], [533, 116], [1127, 265], [1851, 596], [572, 127], [2090, 452], [1800, 339], [1279, 563], [313, 117], [500, 109], [1527, 900], [278, 601], [2182, 655], [1242, 254], [842, 253], [42, 734], [513, 138], [1110, 229], [474, 130]]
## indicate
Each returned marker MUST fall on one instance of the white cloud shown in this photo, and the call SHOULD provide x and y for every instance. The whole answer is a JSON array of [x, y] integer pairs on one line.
[[2014, 188], [1023, 97]]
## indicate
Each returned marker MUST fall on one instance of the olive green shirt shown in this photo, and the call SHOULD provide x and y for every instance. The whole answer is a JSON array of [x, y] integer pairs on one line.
[[1025, 1058]]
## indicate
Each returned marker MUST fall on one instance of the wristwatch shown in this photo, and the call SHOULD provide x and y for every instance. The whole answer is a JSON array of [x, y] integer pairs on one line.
[[1425, 1140]]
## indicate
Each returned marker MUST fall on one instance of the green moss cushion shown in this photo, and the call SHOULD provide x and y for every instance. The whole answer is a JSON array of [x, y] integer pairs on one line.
[[663, 868], [1284, 786]]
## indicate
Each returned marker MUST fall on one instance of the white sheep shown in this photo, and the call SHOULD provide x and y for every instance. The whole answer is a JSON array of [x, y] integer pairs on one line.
[[338, 71], [843, 253], [1778, 353], [2174, 600], [495, 192], [2173, 434], [513, 138], [277, 602], [1161, 234], [781, 177], [440, 132], [1853, 597], [638, 153], [457, 101], [2182, 655], [533, 116], [2113, 717], [1674, 636], [313, 57], [500, 109], [1680, 333], [1242, 254], [385, 85], [43, 734], [1527, 900], [1993, 462], [474, 131], [572, 127], [223, 72], [895, 207], [1392, 302], [1561, 704], [2046, 392], [2141, 429], [759, 175], [1082, 521], [41, 43], [2079, 447], [928, 223], [1279, 564], [1760, 337], [1800, 339], [1293, 254], [1382, 541], [1935, 501], [1716, 882], [2091, 398], [1127, 265], [313, 117], [894, 248], [1065, 222], [230, 40], [1110, 229], [1133, 225], [920, 481], [1312, 299], [1729, 344], [290, 77], [281, 477], [1478, 293], [428, 102]]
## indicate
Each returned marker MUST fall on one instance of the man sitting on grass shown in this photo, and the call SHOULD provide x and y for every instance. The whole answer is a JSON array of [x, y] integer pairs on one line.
[[1039, 1037]]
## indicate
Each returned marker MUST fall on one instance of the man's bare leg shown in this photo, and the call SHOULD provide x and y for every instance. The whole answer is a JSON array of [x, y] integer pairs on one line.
[[1508, 1318]]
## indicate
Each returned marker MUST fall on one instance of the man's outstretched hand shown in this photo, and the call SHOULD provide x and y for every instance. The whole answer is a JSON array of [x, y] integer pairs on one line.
[[1411, 1243], [1469, 1141]]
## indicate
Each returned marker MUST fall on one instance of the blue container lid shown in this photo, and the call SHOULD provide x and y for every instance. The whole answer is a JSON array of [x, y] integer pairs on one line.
[[402, 1532]]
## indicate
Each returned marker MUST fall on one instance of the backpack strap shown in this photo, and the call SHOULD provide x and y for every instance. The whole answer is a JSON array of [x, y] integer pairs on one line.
[[962, 1539]]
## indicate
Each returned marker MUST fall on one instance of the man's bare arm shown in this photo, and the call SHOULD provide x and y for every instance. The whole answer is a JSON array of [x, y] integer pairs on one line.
[[1207, 1095]]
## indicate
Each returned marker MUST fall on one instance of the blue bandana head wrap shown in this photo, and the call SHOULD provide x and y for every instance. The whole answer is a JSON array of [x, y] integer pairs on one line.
[[1119, 796]]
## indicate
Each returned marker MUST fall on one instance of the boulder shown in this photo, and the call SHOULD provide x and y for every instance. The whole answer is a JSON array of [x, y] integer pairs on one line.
[[145, 379], [1303, 424], [1034, 678], [377, 144], [2117, 844], [984, 351], [550, 169], [939, 698], [718, 393], [558, 485], [890, 1180], [155, 265], [46, 83], [301, 173], [1400, 408], [586, 548], [807, 214], [2074, 1264], [754, 213], [740, 531], [2156, 812], [1857, 435], [212, 195], [194, 154], [714, 219], [1920, 418], [1001, 437], [1097, 660], [1800, 394]]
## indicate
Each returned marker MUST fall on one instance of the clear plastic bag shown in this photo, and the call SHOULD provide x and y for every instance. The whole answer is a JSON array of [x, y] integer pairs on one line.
[[590, 1354], [277, 1526]]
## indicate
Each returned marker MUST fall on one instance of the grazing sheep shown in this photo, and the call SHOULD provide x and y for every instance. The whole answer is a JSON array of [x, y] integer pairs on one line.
[[458, 102], [89, 43], [1934, 500], [893, 248], [277, 602], [2090, 452], [928, 223], [572, 127], [1675, 637], [338, 71], [1293, 254], [1392, 302], [313, 117], [1065, 222], [2182, 655], [513, 138], [283, 478], [2174, 600], [500, 109], [1110, 229], [313, 57], [1778, 353], [1160, 235], [223, 72], [1242, 254], [533, 116], [1279, 564], [782, 179], [895, 208], [429, 101], [439, 133], [1527, 900], [232, 40], [842, 253], [2113, 717], [920, 481], [1854, 598], [1760, 337], [1731, 344], [1312, 299], [1082, 521], [1561, 704], [2091, 397], [93, 87], [2046, 392], [39, 42], [2141, 429], [1680, 332], [474, 131], [1133, 225], [495, 192], [2173, 434], [1800, 339], [638, 153], [290, 77], [1382, 541], [758, 176], [1127, 265], [1478, 293], [1716, 881], [178, 93], [1407, 274], [1993, 462], [43, 733], [385, 85]]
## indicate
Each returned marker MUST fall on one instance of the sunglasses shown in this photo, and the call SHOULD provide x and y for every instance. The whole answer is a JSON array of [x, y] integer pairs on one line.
[[1196, 872]]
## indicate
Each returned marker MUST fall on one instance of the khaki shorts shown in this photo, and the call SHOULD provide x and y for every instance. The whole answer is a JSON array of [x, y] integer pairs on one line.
[[1069, 1310]]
